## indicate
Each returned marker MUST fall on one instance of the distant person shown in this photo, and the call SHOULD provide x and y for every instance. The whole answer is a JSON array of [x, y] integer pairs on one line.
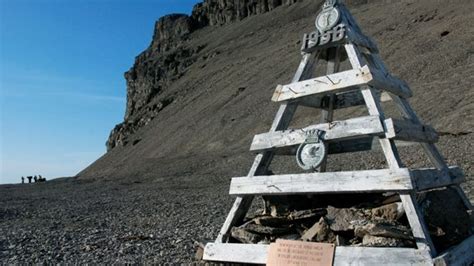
[[35, 178], [41, 179], [29, 178], [23, 180]]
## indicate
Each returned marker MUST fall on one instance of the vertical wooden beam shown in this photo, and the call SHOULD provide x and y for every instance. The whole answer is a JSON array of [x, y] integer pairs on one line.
[[334, 62], [415, 217], [262, 161]]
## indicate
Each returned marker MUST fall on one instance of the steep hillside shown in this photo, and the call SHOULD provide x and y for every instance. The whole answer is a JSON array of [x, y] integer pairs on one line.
[[202, 89]]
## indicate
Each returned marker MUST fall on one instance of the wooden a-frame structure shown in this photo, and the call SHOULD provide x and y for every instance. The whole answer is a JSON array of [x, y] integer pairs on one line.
[[367, 83]]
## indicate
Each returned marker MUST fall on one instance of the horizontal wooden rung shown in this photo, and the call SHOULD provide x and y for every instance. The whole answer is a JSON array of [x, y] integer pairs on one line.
[[380, 180], [342, 82], [409, 131], [337, 82], [257, 254], [430, 178], [337, 130], [328, 182], [387, 82]]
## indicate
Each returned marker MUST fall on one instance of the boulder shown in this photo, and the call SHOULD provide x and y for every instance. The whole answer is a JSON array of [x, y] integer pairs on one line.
[[390, 212], [319, 232], [344, 219], [245, 236]]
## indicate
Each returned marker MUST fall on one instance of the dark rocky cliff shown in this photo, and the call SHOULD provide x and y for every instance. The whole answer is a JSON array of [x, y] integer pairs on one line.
[[168, 57]]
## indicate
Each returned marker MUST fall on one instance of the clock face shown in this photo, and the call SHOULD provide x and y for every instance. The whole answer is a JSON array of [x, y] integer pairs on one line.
[[310, 155], [327, 19]]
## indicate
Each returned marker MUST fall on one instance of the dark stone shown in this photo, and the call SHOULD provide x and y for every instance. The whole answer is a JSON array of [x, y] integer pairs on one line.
[[319, 232], [245, 236], [267, 230], [384, 230], [390, 212], [344, 219]]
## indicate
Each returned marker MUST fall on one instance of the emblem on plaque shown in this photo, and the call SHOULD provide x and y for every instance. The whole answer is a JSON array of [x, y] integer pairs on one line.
[[328, 17], [329, 28], [312, 153]]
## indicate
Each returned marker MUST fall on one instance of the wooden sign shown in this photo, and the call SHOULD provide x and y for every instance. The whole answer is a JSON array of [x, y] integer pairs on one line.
[[289, 252]]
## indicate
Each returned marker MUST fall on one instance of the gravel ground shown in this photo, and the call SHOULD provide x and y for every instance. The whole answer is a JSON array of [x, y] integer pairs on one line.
[[154, 220], [92, 222]]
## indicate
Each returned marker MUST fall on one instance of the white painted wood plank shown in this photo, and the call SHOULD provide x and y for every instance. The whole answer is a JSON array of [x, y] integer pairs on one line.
[[356, 127], [388, 146], [418, 226], [242, 253], [424, 179], [355, 256], [367, 256], [410, 131], [462, 254], [333, 182], [354, 56], [327, 115], [337, 82]]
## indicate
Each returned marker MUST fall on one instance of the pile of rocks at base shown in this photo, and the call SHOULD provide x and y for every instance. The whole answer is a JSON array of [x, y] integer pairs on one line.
[[366, 220]]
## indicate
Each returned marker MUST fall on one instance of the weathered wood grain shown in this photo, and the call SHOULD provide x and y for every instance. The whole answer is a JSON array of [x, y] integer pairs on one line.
[[385, 81], [337, 82], [425, 179], [334, 182], [409, 131], [257, 254], [242, 253], [356, 127]]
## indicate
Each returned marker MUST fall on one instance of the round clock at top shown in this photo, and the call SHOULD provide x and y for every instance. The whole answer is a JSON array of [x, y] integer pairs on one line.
[[311, 155], [327, 19]]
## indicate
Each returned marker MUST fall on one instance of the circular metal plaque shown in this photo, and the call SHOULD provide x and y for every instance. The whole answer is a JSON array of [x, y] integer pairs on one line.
[[327, 19], [311, 155]]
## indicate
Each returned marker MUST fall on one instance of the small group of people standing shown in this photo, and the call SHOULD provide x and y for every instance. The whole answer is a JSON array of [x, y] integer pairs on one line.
[[35, 178]]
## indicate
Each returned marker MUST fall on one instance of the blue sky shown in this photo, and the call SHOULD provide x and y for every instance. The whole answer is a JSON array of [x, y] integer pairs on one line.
[[61, 78]]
